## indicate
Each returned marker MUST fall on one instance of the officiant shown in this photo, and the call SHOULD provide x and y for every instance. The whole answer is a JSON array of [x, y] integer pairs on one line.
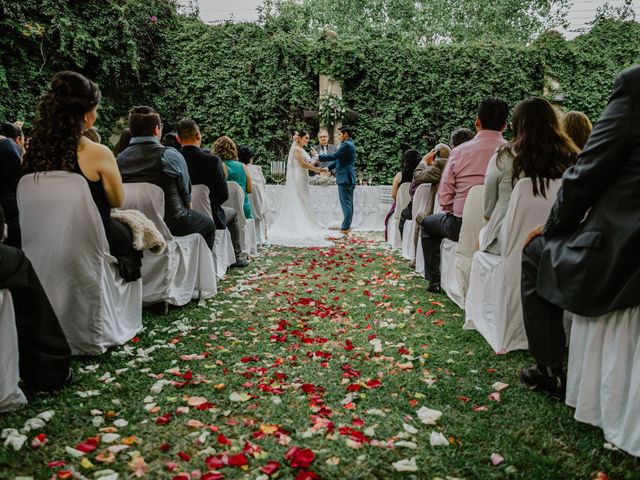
[[324, 148]]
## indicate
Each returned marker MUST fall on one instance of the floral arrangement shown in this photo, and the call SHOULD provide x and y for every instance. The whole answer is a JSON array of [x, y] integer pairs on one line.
[[332, 109]]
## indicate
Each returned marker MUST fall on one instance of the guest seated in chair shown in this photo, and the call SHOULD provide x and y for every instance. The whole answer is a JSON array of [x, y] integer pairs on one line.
[[69, 107], [429, 170], [206, 169], [408, 164], [585, 259], [11, 148], [245, 156], [147, 160], [578, 126], [465, 169], [235, 171], [540, 150], [45, 355]]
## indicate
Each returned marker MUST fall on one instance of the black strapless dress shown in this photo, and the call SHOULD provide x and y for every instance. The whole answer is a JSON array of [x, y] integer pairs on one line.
[[119, 236]]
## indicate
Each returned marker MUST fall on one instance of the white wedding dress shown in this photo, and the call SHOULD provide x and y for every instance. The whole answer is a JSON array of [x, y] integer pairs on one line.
[[295, 225]]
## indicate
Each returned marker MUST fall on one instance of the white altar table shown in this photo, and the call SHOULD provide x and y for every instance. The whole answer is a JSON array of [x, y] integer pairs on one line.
[[370, 205]]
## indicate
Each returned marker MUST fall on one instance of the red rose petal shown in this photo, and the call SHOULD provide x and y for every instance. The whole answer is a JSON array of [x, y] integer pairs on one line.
[[307, 475], [238, 460], [302, 458], [212, 476], [270, 467]]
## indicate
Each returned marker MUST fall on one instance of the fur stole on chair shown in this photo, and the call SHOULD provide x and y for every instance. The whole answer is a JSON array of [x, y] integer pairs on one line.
[[146, 235]]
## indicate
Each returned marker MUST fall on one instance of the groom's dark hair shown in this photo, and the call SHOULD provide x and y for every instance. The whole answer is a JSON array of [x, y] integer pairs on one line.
[[347, 130]]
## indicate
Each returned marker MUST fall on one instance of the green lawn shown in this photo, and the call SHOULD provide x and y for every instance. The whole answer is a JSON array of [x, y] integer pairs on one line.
[[334, 351]]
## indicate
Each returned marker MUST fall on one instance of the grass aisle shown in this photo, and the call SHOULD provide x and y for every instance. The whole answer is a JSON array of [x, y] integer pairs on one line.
[[311, 364]]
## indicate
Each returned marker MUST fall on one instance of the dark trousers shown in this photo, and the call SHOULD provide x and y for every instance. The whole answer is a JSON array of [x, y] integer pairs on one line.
[[543, 321], [231, 220], [44, 352], [345, 193], [195, 222], [434, 228], [120, 240], [405, 215]]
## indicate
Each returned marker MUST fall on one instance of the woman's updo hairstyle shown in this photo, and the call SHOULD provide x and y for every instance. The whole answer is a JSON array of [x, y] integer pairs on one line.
[[59, 123], [302, 133]]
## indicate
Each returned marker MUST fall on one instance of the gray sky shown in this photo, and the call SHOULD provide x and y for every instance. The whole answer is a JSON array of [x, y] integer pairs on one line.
[[582, 12]]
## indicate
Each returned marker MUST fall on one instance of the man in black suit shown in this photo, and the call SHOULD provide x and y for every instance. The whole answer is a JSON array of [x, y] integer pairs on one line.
[[323, 148], [206, 169], [586, 259]]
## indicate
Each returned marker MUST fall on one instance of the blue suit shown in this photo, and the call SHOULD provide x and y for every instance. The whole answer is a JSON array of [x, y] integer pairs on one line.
[[344, 162]]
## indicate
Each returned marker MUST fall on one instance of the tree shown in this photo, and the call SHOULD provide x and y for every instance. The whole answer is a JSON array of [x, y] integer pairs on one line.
[[421, 21]]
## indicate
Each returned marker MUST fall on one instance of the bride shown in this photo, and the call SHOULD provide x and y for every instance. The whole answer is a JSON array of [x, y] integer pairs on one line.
[[294, 225]]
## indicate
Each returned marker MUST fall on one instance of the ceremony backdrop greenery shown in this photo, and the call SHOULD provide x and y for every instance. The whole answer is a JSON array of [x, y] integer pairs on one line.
[[253, 82]]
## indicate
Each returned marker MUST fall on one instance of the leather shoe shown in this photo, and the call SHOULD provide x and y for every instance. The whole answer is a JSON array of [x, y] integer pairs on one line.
[[345, 232], [543, 378], [434, 287], [239, 264]]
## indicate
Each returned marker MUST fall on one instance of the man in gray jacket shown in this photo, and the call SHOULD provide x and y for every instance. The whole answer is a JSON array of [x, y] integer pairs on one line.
[[586, 259]]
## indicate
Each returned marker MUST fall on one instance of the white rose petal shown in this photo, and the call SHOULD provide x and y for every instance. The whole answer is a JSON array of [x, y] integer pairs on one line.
[[498, 386], [121, 422], [47, 415], [15, 440], [73, 452], [117, 448], [33, 424], [7, 432], [406, 465], [429, 416], [437, 439], [376, 411], [411, 445], [107, 474], [110, 437], [88, 393], [409, 428]]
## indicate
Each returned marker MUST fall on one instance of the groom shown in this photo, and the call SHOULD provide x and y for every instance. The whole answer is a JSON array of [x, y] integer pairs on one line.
[[344, 161]]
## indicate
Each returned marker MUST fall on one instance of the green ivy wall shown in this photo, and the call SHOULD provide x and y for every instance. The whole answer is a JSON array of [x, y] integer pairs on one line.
[[254, 83]]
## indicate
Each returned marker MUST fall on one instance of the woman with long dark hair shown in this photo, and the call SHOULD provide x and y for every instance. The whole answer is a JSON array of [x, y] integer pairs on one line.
[[67, 109], [408, 163], [540, 150]]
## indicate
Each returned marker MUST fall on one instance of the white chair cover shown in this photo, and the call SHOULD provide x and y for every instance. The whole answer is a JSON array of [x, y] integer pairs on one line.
[[185, 269], [223, 254], [247, 225], [200, 200], [455, 257], [421, 199], [493, 305], [603, 377], [63, 236], [258, 199], [420, 269], [402, 200], [11, 396]]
